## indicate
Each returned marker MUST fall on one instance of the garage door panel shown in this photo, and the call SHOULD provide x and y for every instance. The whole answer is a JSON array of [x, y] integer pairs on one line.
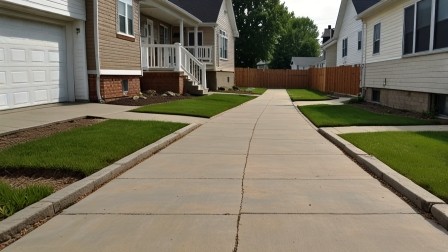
[[33, 63]]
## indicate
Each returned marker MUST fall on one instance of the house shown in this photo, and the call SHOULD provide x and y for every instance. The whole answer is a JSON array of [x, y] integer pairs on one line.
[[263, 65], [349, 32], [165, 45], [329, 48], [42, 52], [304, 63], [406, 54]]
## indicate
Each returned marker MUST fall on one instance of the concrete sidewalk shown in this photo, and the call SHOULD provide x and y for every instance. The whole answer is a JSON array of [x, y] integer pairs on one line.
[[17, 119], [256, 178]]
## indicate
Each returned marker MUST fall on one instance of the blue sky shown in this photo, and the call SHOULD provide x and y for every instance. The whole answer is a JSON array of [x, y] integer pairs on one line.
[[323, 12]]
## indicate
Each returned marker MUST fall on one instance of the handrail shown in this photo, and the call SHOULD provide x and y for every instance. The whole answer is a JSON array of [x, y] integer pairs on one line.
[[175, 57]]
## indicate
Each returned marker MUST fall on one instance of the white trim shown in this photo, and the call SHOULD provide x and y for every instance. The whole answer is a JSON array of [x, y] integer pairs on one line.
[[120, 72], [70, 62]]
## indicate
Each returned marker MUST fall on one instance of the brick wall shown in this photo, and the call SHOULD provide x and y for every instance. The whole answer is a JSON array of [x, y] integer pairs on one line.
[[406, 100], [162, 82], [111, 87]]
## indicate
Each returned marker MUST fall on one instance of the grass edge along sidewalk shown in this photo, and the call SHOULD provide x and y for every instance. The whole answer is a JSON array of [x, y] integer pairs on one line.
[[419, 156], [83, 150], [203, 106], [306, 95], [346, 115]]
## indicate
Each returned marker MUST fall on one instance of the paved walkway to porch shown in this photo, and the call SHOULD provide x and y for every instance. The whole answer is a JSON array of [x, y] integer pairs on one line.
[[256, 178]]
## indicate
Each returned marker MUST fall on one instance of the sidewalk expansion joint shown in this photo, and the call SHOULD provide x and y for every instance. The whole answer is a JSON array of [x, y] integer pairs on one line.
[[235, 249]]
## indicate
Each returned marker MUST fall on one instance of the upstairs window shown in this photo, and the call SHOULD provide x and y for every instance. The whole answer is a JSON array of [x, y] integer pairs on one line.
[[223, 44], [425, 26], [125, 17], [344, 47], [376, 38], [359, 40], [441, 25]]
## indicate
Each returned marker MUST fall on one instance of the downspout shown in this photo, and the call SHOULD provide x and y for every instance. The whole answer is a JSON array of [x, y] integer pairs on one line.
[[97, 51], [364, 60]]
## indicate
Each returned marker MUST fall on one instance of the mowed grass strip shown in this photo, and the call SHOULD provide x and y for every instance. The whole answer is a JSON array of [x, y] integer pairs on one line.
[[88, 149], [347, 115], [257, 91], [306, 95], [15, 199], [420, 156], [204, 106]]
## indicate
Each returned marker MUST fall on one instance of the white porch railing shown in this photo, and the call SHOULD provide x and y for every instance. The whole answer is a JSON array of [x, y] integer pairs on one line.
[[204, 53], [174, 57]]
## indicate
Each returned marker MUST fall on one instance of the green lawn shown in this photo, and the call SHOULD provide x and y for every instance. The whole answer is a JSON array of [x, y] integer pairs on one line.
[[420, 156], [306, 95], [88, 149], [204, 106], [348, 115], [15, 199]]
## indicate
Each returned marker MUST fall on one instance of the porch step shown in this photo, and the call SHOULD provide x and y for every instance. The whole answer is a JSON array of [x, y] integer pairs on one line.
[[194, 89]]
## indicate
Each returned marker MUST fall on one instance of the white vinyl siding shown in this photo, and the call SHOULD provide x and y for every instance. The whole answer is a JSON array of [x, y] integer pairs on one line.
[[349, 30], [70, 8], [224, 25]]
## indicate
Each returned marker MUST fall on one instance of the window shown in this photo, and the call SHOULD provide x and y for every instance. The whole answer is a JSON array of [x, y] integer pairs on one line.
[[408, 37], [125, 17], [191, 38], [344, 47], [376, 38], [125, 86], [359, 40], [425, 26], [441, 25], [223, 43], [163, 35], [376, 95]]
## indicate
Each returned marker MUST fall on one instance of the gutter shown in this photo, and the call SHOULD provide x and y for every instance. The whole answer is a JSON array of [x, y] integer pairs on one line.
[[97, 51]]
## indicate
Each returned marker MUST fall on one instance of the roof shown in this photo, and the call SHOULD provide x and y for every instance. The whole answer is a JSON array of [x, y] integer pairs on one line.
[[206, 10], [305, 61], [362, 5]]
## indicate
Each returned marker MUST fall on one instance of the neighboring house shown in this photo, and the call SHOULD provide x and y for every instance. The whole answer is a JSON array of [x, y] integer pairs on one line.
[[407, 54], [263, 65], [304, 63], [329, 48], [42, 52], [349, 31]]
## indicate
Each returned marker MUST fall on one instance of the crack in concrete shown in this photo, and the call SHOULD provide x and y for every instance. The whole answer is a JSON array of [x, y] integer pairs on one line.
[[235, 249]]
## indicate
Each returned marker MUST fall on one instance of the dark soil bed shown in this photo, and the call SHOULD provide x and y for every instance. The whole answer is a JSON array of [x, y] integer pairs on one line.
[[148, 101]]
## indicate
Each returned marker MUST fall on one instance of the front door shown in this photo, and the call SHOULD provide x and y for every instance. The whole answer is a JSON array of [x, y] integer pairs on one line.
[[147, 40]]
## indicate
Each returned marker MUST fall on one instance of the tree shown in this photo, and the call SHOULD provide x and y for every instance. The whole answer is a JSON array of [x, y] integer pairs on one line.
[[299, 40], [260, 24]]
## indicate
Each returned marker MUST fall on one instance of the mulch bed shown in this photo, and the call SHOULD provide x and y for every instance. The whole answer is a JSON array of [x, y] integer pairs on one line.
[[148, 101]]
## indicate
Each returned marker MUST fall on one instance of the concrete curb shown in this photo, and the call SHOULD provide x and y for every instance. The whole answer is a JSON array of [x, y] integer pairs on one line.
[[58, 201], [423, 199]]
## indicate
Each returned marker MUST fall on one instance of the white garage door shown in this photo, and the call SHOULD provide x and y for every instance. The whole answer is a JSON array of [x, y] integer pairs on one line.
[[32, 63]]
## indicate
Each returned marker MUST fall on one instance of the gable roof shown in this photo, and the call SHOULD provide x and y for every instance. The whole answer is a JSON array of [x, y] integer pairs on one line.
[[206, 10], [362, 5]]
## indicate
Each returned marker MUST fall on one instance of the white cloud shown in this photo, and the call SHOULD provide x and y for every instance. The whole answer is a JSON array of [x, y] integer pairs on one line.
[[322, 12]]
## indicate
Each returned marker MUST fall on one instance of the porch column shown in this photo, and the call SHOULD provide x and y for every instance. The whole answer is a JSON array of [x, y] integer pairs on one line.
[[196, 41], [181, 31]]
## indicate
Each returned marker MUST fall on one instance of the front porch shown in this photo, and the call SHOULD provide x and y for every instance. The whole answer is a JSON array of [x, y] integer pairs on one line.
[[174, 47]]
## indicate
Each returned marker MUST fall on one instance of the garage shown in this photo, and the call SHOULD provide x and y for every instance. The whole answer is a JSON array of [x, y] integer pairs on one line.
[[33, 64]]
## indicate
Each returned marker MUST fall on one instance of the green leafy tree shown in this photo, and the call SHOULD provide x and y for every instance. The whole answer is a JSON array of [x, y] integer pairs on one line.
[[260, 24], [299, 40]]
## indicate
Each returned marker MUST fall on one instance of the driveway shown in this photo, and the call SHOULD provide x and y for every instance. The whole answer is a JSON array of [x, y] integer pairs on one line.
[[255, 178]]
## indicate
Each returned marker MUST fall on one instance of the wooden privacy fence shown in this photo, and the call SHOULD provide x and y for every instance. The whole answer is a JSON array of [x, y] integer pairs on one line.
[[343, 79]]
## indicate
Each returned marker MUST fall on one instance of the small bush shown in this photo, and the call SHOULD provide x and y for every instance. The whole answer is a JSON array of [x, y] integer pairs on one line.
[[354, 100]]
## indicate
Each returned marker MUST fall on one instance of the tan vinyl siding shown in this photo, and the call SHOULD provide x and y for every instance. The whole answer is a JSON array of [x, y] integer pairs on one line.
[[224, 24], [90, 38], [117, 53], [391, 19], [422, 74]]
